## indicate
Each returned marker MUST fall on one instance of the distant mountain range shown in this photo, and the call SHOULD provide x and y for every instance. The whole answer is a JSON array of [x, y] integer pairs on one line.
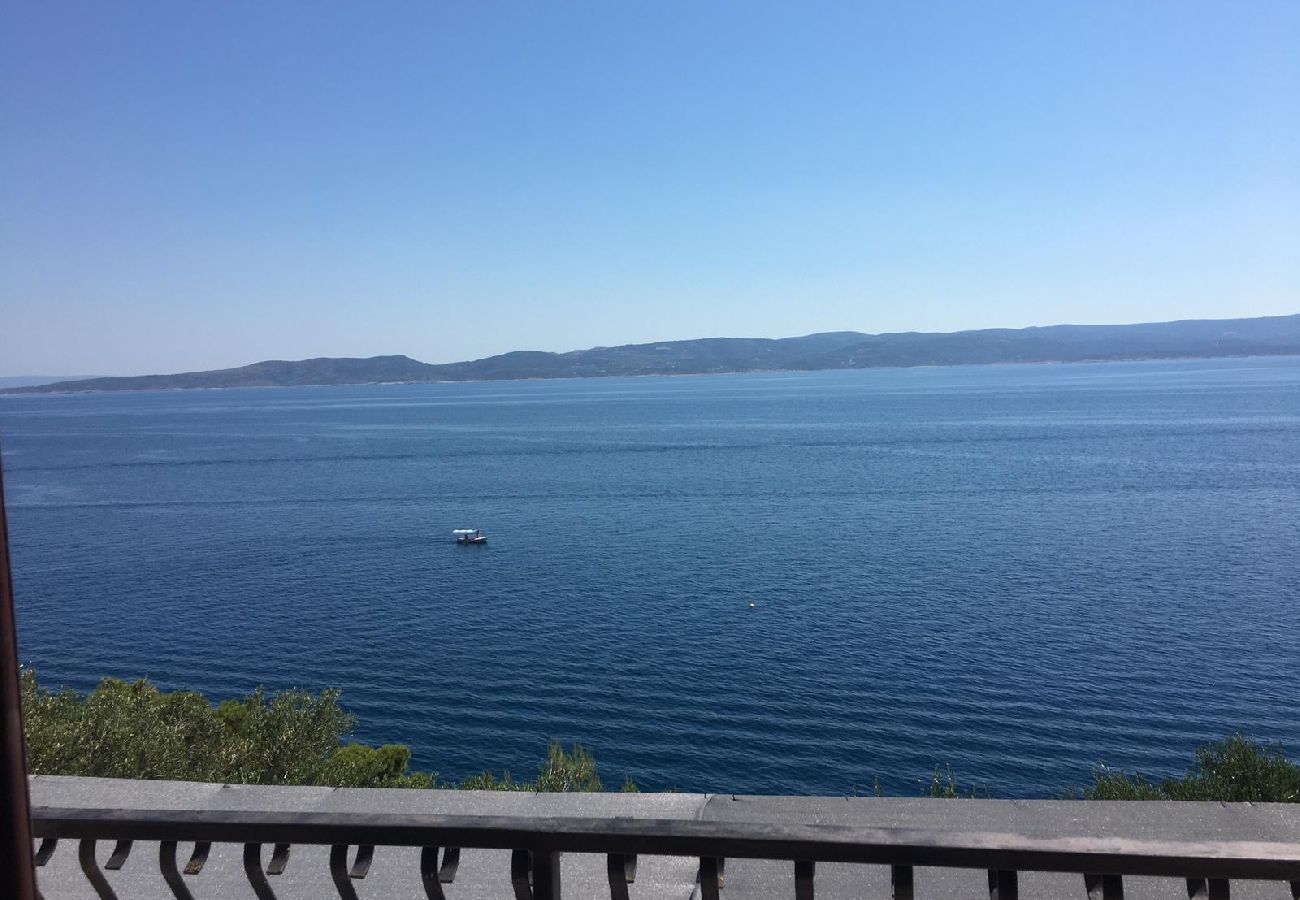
[[1274, 335]]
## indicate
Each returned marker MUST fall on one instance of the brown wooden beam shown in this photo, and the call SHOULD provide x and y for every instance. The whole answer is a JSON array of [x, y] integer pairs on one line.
[[17, 871]]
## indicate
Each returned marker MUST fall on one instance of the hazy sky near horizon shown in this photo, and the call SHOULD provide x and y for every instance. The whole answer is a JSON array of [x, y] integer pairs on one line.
[[193, 186]]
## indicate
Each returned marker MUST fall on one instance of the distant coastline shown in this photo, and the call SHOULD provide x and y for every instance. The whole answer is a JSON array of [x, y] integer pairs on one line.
[[14, 381], [1188, 339]]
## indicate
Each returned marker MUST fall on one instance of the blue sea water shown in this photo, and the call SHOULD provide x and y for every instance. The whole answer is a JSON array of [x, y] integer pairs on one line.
[[1017, 571]]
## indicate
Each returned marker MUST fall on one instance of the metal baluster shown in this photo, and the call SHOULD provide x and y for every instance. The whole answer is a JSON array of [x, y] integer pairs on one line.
[[804, 873], [900, 879], [90, 868], [1197, 889], [171, 872], [546, 875], [339, 872], [253, 872], [1002, 885], [627, 867], [521, 874], [710, 878], [342, 875], [1219, 889], [616, 869], [429, 876], [1104, 887]]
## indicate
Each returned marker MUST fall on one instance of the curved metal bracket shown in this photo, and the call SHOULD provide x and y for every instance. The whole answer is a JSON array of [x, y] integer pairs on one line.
[[46, 850], [340, 872], [433, 876], [198, 857], [118, 858], [90, 868], [429, 873], [171, 872], [279, 859], [361, 865], [450, 862], [253, 871]]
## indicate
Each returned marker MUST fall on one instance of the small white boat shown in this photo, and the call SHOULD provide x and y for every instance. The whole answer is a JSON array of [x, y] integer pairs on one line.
[[469, 536]]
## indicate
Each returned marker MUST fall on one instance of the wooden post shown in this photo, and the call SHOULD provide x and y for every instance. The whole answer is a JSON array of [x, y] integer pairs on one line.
[[17, 872]]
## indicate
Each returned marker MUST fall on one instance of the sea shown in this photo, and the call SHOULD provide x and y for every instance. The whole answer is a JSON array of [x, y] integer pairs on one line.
[[794, 583]]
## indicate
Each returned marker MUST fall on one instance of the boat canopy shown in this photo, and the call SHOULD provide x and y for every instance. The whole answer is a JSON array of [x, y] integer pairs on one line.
[[464, 531]]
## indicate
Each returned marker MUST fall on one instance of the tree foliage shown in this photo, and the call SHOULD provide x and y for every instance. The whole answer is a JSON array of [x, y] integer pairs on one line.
[[135, 730]]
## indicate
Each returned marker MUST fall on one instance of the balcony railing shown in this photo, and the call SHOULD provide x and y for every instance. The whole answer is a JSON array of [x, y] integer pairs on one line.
[[1104, 864]]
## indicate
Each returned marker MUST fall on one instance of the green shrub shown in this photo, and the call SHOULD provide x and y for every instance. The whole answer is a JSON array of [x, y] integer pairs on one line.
[[358, 765], [1109, 784], [572, 770], [1235, 770], [566, 771], [488, 781], [135, 730], [943, 785], [120, 730]]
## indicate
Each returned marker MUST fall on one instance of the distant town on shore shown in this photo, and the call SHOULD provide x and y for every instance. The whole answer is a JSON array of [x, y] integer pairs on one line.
[[1202, 338]]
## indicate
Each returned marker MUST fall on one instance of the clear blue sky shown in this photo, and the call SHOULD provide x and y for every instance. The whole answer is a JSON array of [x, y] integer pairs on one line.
[[190, 186]]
